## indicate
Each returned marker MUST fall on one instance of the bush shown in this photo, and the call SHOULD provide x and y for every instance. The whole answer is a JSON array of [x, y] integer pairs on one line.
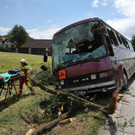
[[45, 77], [3, 49]]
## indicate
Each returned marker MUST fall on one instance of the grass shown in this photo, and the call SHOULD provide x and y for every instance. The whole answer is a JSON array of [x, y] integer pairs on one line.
[[17, 117], [12, 115], [12, 60], [86, 124]]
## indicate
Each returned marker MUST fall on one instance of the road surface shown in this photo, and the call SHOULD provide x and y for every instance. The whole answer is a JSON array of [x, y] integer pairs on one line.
[[125, 124]]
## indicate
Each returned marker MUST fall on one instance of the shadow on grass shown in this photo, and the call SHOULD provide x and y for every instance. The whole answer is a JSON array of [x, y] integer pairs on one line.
[[11, 100]]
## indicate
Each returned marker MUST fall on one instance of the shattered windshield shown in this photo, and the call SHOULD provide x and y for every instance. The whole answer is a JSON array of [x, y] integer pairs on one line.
[[77, 44]]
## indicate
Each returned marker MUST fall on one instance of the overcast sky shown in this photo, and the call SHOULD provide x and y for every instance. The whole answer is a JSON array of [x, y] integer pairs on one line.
[[42, 18]]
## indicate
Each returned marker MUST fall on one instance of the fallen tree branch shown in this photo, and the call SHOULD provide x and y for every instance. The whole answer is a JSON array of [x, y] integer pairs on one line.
[[30, 131], [47, 127], [59, 93]]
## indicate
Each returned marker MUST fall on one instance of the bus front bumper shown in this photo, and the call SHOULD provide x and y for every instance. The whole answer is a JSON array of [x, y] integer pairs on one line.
[[99, 87]]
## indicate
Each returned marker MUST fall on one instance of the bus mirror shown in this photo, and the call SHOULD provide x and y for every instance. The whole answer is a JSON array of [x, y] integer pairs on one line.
[[45, 57], [111, 53]]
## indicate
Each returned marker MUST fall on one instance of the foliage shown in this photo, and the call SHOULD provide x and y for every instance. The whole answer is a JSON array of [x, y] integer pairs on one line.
[[133, 41], [3, 49], [86, 117], [18, 35], [54, 103], [4, 36], [17, 117], [45, 77]]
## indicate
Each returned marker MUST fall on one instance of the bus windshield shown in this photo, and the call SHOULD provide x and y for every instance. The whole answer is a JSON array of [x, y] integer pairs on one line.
[[77, 44]]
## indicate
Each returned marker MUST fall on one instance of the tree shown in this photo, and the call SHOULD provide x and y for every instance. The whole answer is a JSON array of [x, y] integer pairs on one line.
[[18, 35], [4, 36], [133, 41]]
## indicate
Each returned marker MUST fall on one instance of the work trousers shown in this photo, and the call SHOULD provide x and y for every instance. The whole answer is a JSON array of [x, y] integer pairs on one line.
[[25, 80]]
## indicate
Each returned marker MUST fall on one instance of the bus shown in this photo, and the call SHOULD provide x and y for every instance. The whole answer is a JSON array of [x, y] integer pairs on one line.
[[90, 56]]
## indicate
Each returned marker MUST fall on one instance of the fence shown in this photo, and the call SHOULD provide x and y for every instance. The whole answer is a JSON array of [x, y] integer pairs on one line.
[[36, 51]]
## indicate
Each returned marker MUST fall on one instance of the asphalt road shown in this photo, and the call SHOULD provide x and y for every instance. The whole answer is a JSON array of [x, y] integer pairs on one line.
[[125, 124]]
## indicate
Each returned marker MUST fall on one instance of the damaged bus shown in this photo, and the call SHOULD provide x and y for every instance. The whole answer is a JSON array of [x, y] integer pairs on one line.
[[90, 56]]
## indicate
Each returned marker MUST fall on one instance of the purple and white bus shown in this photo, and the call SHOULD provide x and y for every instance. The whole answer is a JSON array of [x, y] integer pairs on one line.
[[90, 56]]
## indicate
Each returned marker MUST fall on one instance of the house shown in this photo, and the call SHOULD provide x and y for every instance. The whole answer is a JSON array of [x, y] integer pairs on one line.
[[35, 46], [4, 42]]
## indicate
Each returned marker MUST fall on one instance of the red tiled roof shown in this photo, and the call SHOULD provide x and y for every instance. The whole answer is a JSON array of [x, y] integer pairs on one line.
[[4, 38]]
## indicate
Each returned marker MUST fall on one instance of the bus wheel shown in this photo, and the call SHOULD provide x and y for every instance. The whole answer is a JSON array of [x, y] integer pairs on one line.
[[125, 82]]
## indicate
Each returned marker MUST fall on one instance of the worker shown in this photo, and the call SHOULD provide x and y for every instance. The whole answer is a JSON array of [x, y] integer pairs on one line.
[[26, 69]]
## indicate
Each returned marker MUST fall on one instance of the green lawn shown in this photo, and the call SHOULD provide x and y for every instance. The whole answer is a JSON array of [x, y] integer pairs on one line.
[[12, 60], [13, 115], [17, 117]]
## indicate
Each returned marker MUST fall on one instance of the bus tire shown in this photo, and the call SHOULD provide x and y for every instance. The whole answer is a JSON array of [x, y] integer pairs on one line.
[[125, 81]]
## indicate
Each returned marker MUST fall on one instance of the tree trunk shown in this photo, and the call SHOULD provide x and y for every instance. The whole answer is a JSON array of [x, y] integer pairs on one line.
[[47, 127]]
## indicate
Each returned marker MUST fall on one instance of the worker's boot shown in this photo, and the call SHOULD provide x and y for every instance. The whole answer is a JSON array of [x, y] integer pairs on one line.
[[20, 92]]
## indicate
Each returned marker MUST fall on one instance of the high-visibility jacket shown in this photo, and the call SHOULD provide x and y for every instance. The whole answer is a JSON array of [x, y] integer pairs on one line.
[[25, 70]]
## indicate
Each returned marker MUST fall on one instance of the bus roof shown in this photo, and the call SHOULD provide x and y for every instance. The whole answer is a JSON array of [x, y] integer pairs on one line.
[[87, 20], [74, 24]]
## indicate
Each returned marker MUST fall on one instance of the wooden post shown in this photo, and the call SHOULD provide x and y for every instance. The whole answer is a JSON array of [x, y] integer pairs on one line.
[[16, 50], [29, 50]]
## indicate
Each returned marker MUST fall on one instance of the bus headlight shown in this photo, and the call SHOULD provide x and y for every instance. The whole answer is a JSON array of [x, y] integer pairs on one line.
[[93, 76], [62, 82], [103, 75]]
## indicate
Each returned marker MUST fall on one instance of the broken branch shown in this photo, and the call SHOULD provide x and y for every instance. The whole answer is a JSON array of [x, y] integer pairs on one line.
[[59, 93]]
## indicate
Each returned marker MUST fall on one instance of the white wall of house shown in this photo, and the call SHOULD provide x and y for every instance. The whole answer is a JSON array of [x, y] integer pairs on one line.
[[6, 44], [1, 43]]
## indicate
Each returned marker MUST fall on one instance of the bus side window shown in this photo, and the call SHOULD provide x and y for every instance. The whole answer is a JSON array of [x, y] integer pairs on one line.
[[127, 44], [119, 39], [111, 52], [112, 37], [130, 46], [123, 41]]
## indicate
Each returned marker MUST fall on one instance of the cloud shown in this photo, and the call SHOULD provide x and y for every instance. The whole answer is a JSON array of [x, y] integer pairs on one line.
[[35, 33], [95, 3], [126, 7], [126, 24], [4, 30], [104, 3], [50, 21], [42, 34]]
